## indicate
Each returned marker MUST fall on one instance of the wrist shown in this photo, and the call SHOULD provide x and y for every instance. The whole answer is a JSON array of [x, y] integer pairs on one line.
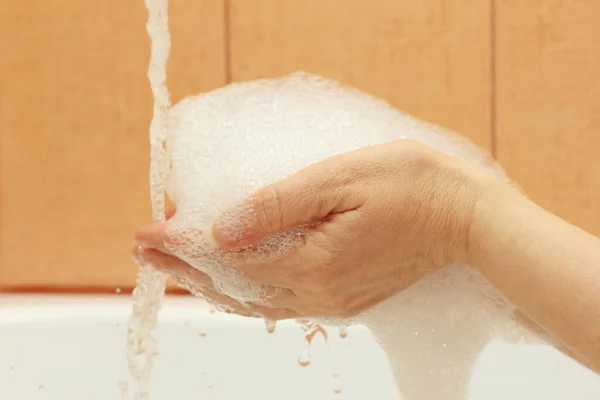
[[498, 217]]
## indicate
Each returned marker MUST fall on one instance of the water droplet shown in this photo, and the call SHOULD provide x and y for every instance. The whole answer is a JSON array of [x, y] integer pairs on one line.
[[444, 345], [343, 333], [416, 333], [337, 384], [271, 325], [304, 359], [118, 290], [303, 363]]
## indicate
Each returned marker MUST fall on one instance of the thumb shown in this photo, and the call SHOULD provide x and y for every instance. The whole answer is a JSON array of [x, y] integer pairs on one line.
[[307, 196]]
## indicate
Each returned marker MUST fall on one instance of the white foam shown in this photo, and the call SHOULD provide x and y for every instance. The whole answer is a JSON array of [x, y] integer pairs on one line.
[[226, 144]]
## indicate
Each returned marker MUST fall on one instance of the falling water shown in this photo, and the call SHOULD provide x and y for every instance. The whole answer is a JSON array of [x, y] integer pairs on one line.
[[150, 287]]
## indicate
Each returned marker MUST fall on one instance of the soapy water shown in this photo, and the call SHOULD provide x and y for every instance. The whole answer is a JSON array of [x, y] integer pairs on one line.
[[224, 145]]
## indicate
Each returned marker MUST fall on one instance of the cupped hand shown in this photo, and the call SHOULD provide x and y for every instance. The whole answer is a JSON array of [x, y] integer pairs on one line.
[[381, 218]]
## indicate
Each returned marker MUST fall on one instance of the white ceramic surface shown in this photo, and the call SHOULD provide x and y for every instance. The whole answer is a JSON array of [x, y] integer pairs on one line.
[[73, 348]]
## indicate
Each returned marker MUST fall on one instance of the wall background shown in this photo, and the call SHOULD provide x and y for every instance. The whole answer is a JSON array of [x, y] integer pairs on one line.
[[521, 79]]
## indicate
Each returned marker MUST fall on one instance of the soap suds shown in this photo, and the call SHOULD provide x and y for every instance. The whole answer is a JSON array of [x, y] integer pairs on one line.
[[226, 144]]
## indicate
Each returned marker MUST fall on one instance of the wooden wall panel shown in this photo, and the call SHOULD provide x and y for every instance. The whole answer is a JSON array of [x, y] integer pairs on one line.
[[548, 103], [74, 112], [75, 103], [430, 58]]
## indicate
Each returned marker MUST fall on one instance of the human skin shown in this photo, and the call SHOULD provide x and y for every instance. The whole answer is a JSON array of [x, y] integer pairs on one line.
[[385, 216]]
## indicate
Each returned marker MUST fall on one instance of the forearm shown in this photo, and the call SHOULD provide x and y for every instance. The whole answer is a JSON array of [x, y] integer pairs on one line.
[[547, 267]]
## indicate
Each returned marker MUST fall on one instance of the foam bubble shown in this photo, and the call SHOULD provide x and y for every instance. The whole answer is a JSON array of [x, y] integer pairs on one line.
[[227, 144]]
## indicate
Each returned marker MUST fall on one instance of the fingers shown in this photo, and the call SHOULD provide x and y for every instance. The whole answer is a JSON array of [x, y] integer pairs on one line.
[[284, 304], [219, 300], [299, 267], [152, 236], [268, 274], [307, 196], [189, 278], [173, 266], [201, 285]]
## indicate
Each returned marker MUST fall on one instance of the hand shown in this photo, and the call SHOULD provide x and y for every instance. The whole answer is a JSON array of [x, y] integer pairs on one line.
[[384, 217]]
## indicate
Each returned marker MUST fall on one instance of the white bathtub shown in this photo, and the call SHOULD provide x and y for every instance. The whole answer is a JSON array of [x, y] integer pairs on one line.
[[73, 348]]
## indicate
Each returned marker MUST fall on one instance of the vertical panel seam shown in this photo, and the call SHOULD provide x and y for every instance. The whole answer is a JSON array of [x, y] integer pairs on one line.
[[493, 81], [227, 40]]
